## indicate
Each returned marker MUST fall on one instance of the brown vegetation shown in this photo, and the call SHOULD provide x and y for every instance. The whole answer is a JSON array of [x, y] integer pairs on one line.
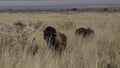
[[28, 49]]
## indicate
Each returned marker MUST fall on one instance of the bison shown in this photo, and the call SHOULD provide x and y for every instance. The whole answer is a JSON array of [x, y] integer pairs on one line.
[[80, 31], [55, 40], [89, 32], [84, 32]]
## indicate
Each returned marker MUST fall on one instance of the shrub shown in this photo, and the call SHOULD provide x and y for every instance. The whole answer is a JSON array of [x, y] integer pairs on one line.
[[66, 25], [105, 9], [74, 9], [19, 24], [38, 24]]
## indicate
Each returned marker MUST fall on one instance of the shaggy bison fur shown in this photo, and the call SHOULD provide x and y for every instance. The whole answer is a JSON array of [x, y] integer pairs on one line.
[[84, 32], [55, 40]]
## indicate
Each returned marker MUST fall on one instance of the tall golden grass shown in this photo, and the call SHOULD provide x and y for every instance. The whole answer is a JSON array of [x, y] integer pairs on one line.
[[17, 45]]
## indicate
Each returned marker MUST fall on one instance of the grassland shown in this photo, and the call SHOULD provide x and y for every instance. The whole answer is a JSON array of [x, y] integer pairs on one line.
[[17, 44]]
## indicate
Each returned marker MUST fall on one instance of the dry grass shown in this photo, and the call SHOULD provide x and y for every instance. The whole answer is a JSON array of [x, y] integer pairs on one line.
[[17, 45]]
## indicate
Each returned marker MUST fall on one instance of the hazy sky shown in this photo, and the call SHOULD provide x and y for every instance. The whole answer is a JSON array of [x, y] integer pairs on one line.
[[69, 0], [60, 0], [53, 3]]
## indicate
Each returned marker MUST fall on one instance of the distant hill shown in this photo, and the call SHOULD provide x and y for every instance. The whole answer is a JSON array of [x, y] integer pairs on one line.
[[57, 6], [82, 9]]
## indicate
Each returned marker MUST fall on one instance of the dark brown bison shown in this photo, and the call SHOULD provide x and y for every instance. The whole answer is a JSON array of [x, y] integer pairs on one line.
[[80, 31], [84, 32], [89, 32], [55, 40]]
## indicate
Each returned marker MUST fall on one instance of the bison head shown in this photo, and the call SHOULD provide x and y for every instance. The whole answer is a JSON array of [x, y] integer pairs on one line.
[[49, 34]]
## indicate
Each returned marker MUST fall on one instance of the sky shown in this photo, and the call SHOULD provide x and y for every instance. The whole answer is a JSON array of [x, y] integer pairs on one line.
[[59, 0], [57, 3]]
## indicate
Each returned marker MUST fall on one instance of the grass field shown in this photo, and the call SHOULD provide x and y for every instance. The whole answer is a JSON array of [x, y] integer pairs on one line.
[[18, 43]]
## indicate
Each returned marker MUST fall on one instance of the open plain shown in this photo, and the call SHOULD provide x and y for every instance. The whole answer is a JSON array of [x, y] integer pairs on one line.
[[18, 42]]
